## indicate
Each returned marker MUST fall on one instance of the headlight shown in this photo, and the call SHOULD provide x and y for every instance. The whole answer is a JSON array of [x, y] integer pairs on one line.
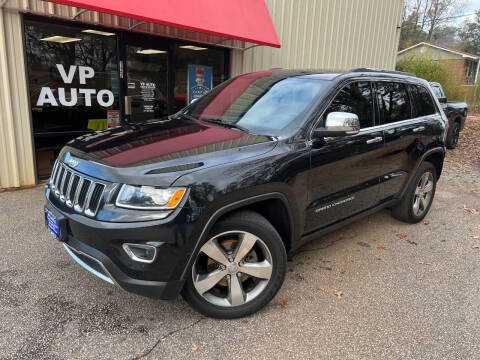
[[149, 197]]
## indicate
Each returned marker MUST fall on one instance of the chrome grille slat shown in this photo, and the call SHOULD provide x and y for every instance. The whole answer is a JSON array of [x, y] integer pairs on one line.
[[77, 191], [94, 199], [82, 196], [58, 181], [54, 173], [65, 182], [71, 188]]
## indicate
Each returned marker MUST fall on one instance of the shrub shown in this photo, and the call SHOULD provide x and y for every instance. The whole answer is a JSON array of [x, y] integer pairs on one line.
[[450, 77], [423, 67]]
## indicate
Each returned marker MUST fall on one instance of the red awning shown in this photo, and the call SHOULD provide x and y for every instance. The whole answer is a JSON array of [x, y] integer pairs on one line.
[[247, 20]]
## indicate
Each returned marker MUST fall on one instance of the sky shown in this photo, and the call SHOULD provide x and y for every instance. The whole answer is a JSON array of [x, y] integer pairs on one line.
[[472, 6]]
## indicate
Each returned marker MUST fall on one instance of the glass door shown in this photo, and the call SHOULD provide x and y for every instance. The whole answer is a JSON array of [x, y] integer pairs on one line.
[[146, 80]]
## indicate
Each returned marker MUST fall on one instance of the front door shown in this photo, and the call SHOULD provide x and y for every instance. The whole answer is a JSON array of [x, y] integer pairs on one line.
[[345, 170], [145, 79]]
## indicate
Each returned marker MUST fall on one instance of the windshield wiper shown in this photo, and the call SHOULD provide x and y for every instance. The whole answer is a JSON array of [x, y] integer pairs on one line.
[[226, 124], [213, 121], [182, 115]]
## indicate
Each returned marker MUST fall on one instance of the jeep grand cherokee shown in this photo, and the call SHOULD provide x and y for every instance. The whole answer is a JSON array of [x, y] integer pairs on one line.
[[210, 202]]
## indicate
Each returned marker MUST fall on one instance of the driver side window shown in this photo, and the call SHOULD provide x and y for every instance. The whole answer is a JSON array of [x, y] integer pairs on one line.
[[355, 98]]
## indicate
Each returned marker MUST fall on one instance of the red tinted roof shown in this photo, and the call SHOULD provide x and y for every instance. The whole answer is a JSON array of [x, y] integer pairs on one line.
[[247, 20], [451, 49]]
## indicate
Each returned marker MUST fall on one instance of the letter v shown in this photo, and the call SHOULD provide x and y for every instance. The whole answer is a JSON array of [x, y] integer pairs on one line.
[[71, 73]]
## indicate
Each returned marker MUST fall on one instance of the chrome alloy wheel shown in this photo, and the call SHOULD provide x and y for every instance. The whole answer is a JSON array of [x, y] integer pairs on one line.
[[232, 268], [423, 194]]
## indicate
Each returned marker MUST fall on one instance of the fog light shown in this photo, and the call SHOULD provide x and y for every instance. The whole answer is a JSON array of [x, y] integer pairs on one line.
[[140, 252]]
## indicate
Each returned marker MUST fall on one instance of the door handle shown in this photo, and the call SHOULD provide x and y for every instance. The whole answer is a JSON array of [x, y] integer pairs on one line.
[[375, 140], [420, 128]]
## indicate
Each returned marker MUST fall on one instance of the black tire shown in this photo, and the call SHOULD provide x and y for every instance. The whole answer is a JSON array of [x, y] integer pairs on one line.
[[253, 223], [404, 210], [452, 138]]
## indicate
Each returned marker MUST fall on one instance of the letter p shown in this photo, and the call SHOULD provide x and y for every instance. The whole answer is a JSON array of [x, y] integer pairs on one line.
[[84, 73]]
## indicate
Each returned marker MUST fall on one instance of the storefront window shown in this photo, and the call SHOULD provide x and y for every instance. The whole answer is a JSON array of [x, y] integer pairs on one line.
[[205, 59], [147, 82], [74, 84]]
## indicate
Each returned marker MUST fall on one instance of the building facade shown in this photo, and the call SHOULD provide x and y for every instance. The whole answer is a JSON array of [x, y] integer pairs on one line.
[[465, 64], [66, 71]]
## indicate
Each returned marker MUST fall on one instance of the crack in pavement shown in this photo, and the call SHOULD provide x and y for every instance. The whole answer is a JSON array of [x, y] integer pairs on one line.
[[166, 336]]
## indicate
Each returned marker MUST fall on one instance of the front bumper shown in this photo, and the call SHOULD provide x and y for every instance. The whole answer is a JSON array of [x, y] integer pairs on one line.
[[97, 247], [101, 266]]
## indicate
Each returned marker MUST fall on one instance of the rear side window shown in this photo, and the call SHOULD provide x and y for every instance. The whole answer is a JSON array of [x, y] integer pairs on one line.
[[422, 101], [436, 91], [355, 98], [393, 104]]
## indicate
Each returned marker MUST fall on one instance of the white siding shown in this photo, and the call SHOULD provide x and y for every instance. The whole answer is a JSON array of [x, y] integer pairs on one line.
[[327, 34], [17, 166]]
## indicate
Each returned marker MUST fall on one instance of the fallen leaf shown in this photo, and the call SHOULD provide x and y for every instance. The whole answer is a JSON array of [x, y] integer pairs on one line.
[[381, 247], [339, 295], [425, 263], [378, 259], [310, 298], [283, 304], [470, 210], [194, 346], [444, 240], [402, 236], [426, 222], [475, 246], [475, 237], [412, 242]]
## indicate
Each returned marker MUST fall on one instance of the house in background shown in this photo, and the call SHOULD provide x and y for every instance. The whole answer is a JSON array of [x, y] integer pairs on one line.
[[452, 58]]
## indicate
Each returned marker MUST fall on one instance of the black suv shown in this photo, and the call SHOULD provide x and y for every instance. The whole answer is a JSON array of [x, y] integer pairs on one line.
[[211, 201]]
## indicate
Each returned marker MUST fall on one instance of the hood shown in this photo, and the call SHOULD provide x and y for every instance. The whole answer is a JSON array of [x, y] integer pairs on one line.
[[158, 152]]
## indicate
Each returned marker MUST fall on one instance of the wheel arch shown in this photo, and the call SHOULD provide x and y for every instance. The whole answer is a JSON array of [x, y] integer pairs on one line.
[[265, 205], [434, 156]]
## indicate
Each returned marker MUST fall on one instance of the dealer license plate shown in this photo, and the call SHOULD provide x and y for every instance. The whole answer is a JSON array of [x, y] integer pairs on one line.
[[52, 223]]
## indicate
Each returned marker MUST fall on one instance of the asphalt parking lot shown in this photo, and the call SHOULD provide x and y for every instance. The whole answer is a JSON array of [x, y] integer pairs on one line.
[[377, 288]]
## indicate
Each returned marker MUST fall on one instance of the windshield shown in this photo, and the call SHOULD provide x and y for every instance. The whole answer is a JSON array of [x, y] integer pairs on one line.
[[263, 103]]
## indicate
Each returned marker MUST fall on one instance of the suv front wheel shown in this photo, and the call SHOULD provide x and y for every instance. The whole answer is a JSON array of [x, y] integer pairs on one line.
[[418, 197], [239, 269]]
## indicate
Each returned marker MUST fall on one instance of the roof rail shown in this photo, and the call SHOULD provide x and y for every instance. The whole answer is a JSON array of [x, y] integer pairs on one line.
[[381, 71]]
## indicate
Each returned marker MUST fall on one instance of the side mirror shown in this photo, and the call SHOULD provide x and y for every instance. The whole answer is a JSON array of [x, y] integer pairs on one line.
[[339, 124], [442, 100]]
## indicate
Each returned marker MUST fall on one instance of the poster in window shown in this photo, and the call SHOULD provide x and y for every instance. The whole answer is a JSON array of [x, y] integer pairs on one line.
[[199, 81]]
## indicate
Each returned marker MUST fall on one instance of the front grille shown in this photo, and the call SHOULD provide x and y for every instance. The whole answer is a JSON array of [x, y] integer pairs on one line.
[[75, 190]]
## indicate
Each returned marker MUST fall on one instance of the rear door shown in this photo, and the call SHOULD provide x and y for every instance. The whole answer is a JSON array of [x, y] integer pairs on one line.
[[344, 174], [404, 113]]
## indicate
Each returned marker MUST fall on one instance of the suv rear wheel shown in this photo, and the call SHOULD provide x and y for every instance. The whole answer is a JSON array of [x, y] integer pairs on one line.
[[419, 195], [239, 269]]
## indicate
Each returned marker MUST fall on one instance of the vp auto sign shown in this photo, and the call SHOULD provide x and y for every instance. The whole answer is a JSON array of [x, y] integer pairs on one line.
[[104, 97]]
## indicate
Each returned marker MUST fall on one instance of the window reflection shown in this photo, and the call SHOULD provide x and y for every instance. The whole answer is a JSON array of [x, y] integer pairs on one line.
[[195, 55], [73, 82], [263, 102], [393, 102], [355, 98], [147, 82]]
